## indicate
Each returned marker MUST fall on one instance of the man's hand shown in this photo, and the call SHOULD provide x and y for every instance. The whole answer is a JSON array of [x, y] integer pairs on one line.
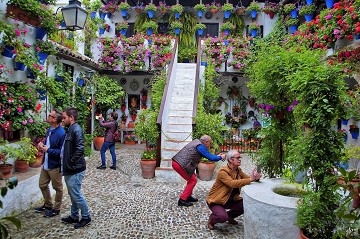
[[255, 175], [223, 156]]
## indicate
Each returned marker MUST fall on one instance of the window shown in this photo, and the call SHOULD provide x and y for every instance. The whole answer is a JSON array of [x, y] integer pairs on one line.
[[69, 69], [212, 29]]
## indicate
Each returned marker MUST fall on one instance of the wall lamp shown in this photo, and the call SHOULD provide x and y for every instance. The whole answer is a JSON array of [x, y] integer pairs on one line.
[[74, 16]]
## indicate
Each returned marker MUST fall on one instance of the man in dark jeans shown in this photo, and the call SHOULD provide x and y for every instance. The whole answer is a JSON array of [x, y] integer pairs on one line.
[[73, 168], [50, 170], [225, 193], [109, 142]]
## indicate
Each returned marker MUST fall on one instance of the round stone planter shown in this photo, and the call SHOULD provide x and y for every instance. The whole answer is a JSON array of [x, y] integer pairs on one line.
[[267, 214]]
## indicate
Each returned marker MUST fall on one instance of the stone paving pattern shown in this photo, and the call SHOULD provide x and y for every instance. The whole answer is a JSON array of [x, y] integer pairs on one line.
[[124, 205]]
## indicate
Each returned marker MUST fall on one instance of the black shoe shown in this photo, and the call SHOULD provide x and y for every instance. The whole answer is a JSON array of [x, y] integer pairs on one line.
[[82, 223], [69, 219], [42, 209], [113, 167], [192, 199], [101, 167], [52, 212], [184, 203]]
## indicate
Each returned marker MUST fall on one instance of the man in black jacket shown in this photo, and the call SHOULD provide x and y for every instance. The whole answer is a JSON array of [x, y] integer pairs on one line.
[[73, 168]]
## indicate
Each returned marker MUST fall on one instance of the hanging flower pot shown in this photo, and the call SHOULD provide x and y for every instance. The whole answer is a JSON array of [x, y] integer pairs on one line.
[[111, 10], [59, 78], [42, 94], [19, 66], [308, 17], [42, 57], [354, 135], [150, 14], [344, 121], [133, 117], [200, 32], [63, 24], [357, 36], [123, 32], [8, 52], [253, 33], [81, 82], [226, 32], [204, 63], [177, 31], [177, 15], [138, 10], [240, 10], [294, 13], [149, 31], [227, 14], [102, 15], [108, 14], [309, 2], [213, 10], [253, 13], [101, 30], [123, 13], [92, 15], [40, 33], [30, 74], [226, 42], [293, 29], [271, 15], [200, 14], [329, 3]]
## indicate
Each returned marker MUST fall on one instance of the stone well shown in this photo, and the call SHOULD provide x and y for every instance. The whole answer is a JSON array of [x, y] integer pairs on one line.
[[267, 214]]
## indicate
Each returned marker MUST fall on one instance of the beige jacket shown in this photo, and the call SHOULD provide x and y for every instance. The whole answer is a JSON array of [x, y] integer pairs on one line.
[[225, 182]]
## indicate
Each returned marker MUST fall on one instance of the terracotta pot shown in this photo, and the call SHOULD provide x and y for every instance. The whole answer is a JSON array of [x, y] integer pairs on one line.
[[123, 108], [148, 168], [271, 15], [301, 235], [21, 166], [163, 11], [98, 142], [133, 117], [213, 10], [130, 142], [138, 10], [37, 163], [123, 126], [22, 15], [206, 170], [131, 124], [6, 171], [240, 11], [111, 10]]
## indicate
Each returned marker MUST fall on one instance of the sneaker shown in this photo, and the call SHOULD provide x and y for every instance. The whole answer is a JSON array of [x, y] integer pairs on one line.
[[42, 209], [113, 167], [69, 219], [185, 203], [101, 167], [82, 223], [52, 212], [192, 199]]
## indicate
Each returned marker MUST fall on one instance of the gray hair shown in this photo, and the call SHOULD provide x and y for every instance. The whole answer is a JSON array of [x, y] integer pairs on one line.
[[205, 138], [231, 154]]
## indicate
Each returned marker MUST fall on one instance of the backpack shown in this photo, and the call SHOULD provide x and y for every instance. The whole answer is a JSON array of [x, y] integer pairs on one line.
[[116, 135]]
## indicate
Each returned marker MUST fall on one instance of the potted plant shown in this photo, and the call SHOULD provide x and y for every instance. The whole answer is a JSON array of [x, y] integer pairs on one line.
[[130, 138], [354, 131], [176, 26], [270, 8], [253, 8], [123, 7], [150, 26], [307, 9], [5, 168], [177, 8], [24, 153], [163, 7], [214, 7], [288, 8], [200, 9], [240, 10], [110, 7], [95, 6], [122, 26], [206, 169], [254, 26], [148, 163], [199, 27], [227, 27], [44, 49], [150, 8]]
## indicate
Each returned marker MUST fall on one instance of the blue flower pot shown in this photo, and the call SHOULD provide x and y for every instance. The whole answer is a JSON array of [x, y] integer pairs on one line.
[[102, 15], [293, 29], [345, 137], [42, 57], [308, 17], [226, 32], [42, 94], [150, 14], [200, 32], [101, 30], [108, 14], [177, 31], [149, 42], [40, 33], [123, 32], [354, 135], [226, 42], [177, 15], [200, 14], [62, 24], [253, 33], [227, 14], [294, 13], [123, 13], [81, 82], [309, 2], [30, 74], [149, 31], [253, 13], [204, 63], [92, 15], [8, 52], [59, 78], [19, 66], [329, 3], [357, 36], [344, 121]]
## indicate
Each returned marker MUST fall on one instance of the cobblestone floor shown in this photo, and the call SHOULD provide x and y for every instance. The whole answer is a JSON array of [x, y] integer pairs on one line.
[[124, 205]]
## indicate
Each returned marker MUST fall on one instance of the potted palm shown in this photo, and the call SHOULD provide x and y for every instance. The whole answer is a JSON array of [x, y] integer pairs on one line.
[[200, 9]]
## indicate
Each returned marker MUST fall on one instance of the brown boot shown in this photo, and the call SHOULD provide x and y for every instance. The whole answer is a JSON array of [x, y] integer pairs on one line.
[[210, 225], [232, 221]]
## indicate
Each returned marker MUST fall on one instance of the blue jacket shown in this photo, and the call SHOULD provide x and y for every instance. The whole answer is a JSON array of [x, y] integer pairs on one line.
[[56, 141]]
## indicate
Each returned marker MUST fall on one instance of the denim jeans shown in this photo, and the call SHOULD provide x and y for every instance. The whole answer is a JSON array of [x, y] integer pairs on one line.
[[103, 149], [78, 202]]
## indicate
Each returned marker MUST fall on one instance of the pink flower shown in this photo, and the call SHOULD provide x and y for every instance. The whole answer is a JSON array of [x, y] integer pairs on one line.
[[328, 17], [31, 120], [24, 122], [40, 67], [25, 31], [17, 32], [19, 109]]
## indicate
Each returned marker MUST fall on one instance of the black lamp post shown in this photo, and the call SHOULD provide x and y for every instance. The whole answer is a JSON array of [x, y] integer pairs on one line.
[[74, 15]]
